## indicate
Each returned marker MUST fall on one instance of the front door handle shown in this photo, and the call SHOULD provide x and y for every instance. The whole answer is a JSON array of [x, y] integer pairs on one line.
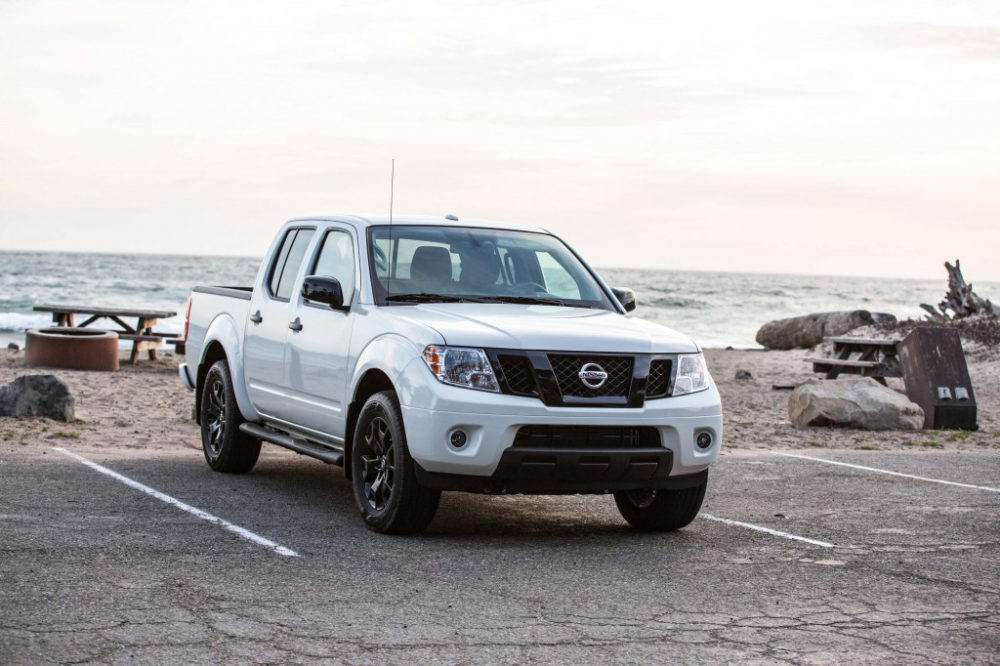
[[295, 325], [256, 318]]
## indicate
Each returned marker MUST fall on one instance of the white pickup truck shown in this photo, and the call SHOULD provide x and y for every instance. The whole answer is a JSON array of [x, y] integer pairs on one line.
[[432, 354]]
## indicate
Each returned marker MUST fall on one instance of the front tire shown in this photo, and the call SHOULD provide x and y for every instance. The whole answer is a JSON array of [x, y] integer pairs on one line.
[[661, 510], [386, 490], [226, 448]]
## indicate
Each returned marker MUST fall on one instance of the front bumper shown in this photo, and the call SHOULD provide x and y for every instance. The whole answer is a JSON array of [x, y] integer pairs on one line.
[[432, 411], [559, 471]]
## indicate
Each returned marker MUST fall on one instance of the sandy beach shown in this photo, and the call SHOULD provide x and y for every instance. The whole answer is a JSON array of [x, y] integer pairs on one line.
[[146, 407]]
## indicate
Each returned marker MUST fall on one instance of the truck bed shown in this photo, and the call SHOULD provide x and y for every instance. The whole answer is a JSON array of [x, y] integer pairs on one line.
[[211, 305]]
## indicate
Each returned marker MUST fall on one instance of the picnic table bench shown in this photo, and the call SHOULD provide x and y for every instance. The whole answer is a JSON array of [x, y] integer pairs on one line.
[[142, 335], [868, 357]]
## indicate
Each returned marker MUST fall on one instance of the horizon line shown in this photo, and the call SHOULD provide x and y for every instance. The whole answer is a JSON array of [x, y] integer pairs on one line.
[[616, 268]]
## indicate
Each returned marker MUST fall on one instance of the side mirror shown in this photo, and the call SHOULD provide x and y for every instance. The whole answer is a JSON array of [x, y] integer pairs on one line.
[[626, 297], [322, 289]]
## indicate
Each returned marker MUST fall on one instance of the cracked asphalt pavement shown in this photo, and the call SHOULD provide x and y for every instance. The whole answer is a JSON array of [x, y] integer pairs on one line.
[[94, 571]]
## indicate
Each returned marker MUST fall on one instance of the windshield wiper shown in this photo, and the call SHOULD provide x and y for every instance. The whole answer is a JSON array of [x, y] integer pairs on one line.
[[431, 298], [425, 297], [527, 300]]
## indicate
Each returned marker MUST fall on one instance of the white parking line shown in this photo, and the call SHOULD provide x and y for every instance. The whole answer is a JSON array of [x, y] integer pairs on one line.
[[766, 530], [886, 471], [204, 515]]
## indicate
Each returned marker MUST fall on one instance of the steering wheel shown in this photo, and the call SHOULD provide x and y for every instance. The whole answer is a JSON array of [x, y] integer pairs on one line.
[[381, 260]]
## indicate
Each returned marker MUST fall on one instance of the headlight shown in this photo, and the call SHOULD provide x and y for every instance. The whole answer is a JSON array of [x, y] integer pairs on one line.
[[692, 376], [461, 366]]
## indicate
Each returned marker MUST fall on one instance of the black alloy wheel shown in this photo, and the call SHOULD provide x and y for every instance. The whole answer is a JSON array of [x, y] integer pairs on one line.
[[226, 447], [379, 463], [383, 474], [215, 416]]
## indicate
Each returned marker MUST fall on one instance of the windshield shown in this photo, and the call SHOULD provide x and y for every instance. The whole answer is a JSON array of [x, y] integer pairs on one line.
[[426, 264]]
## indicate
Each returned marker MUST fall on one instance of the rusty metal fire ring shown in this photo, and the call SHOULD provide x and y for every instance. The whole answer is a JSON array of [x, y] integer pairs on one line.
[[72, 348]]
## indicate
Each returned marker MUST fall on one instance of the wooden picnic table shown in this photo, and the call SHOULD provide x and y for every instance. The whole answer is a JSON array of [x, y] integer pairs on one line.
[[869, 357], [142, 335]]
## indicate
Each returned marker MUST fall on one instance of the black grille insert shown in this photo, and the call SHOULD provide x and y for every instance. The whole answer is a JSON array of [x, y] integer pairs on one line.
[[587, 437], [567, 368], [518, 374], [658, 384]]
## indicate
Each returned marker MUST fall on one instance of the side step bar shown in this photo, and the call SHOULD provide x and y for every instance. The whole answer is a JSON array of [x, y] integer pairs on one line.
[[302, 446]]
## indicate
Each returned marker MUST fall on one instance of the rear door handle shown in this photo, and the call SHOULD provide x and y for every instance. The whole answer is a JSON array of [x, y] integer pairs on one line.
[[296, 325], [256, 318]]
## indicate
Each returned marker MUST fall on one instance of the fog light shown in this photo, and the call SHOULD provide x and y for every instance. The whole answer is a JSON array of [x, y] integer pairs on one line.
[[459, 438], [703, 440]]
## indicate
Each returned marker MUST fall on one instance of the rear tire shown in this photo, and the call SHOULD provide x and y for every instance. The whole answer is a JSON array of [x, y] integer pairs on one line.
[[226, 448], [385, 484], [661, 510]]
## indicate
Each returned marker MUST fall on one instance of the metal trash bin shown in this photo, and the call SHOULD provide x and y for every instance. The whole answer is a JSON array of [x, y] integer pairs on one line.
[[937, 377]]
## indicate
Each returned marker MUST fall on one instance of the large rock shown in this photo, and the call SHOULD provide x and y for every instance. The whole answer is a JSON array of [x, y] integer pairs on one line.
[[883, 318], [859, 402], [809, 330], [37, 395]]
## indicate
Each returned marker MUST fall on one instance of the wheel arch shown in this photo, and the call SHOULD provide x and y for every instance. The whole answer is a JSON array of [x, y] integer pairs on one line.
[[224, 343], [379, 367], [214, 351], [372, 381]]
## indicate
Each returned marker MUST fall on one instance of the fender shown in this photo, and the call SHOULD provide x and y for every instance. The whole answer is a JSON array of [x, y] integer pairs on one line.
[[389, 353], [224, 330]]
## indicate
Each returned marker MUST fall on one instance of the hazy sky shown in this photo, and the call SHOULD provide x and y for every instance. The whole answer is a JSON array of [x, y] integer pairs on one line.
[[805, 137]]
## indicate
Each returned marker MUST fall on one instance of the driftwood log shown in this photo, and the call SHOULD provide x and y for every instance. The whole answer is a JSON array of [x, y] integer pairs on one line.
[[809, 330], [960, 299]]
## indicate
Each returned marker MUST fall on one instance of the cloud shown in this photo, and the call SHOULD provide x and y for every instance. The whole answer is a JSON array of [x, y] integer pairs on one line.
[[678, 118], [539, 84], [973, 42]]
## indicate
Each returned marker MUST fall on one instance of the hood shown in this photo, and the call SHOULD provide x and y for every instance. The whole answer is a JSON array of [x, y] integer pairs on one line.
[[543, 327]]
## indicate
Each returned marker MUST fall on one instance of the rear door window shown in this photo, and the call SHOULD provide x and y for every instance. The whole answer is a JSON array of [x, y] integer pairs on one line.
[[279, 261], [289, 260]]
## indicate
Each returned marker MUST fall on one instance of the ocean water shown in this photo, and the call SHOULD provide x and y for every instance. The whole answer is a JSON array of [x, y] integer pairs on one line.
[[157, 282], [716, 309]]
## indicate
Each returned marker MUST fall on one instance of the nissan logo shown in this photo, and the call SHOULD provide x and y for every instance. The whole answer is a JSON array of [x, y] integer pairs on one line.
[[592, 375]]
